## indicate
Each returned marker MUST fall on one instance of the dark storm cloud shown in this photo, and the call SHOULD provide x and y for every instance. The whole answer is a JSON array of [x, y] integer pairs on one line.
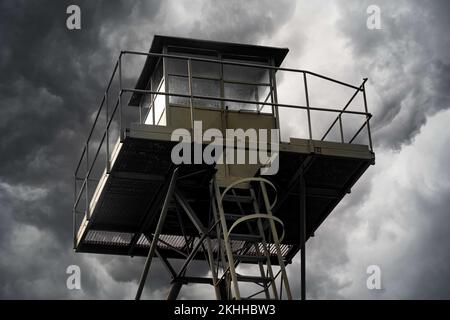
[[407, 62], [52, 82], [51, 79], [244, 21], [401, 225], [397, 215]]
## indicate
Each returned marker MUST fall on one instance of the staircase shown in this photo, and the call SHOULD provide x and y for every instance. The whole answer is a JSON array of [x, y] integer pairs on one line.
[[243, 214]]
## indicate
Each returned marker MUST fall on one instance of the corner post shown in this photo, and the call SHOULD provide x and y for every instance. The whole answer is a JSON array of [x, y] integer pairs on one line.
[[107, 134], [121, 124], [307, 105], [367, 114]]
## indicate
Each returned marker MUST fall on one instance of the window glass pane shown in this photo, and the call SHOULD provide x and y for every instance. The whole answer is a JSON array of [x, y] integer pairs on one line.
[[245, 74], [199, 68], [159, 104], [178, 85], [247, 93], [162, 118], [206, 69], [157, 84], [146, 104], [264, 96], [157, 76], [177, 66], [210, 88], [160, 109], [240, 92]]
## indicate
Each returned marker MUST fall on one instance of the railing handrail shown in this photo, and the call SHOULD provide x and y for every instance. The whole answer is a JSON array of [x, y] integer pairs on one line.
[[183, 57], [283, 105], [89, 170], [98, 114], [344, 109], [243, 64]]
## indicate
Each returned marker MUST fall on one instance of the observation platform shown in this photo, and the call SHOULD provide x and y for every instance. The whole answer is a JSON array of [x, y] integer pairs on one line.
[[118, 199], [128, 200]]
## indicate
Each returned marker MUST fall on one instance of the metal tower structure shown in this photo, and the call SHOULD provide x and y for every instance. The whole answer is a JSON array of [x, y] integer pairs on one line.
[[132, 199]]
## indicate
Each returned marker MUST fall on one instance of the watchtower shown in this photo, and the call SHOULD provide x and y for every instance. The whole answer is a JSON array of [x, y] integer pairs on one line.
[[133, 195]]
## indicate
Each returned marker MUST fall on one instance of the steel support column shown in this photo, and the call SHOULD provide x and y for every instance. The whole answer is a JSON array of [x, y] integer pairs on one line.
[[302, 237], [204, 233], [174, 290]]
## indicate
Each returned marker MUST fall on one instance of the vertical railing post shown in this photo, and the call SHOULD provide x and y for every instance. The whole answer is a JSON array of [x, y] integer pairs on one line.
[[275, 100], [307, 105], [152, 99], [120, 99], [223, 108], [74, 217], [75, 186], [107, 133], [88, 214], [191, 103], [367, 114], [167, 89], [140, 111], [270, 93], [341, 129]]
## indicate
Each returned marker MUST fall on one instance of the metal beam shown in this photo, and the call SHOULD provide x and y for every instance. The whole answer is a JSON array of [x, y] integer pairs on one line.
[[191, 255], [158, 230], [203, 232], [300, 172], [302, 237], [166, 263], [174, 290], [164, 260], [190, 212], [201, 280], [320, 192], [147, 219]]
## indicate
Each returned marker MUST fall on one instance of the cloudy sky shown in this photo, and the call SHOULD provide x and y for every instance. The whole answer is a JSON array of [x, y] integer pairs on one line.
[[397, 216]]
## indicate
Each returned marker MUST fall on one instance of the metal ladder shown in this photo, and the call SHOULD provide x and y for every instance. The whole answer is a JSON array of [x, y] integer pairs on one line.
[[258, 239]]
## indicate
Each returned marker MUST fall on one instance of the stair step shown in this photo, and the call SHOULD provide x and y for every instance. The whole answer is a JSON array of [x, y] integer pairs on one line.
[[245, 237], [248, 258], [237, 198], [254, 279]]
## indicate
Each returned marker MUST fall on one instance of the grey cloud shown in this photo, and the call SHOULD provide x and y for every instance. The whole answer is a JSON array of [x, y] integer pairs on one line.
[[243, 22], [52, 82], [406, 62]]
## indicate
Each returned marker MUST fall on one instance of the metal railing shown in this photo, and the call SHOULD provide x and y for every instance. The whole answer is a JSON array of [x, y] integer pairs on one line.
[[116, 109]]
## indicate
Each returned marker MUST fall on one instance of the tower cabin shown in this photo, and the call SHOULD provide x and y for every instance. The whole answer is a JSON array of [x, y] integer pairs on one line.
[[135, 197]]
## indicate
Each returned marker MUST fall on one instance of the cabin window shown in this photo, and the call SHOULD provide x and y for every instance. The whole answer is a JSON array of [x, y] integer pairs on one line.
[[205, 77], [249, 84], [153, 105]]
